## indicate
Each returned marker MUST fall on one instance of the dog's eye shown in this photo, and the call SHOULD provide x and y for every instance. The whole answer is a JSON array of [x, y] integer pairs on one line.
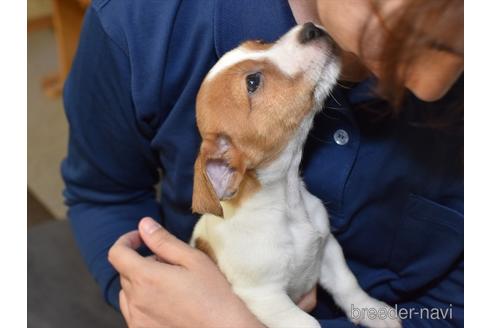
[[253, 82]]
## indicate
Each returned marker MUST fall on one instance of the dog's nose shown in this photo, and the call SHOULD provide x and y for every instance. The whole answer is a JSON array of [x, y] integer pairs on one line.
[[310, 32]]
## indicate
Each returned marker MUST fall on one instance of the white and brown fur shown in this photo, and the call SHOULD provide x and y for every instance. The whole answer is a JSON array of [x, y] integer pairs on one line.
[[269, 235]]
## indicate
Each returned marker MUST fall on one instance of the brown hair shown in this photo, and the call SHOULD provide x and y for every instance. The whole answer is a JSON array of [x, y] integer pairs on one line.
[[408, 32]]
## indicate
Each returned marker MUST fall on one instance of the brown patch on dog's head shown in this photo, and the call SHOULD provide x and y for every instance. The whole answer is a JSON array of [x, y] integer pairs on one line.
[[242, 131], [259, 124]]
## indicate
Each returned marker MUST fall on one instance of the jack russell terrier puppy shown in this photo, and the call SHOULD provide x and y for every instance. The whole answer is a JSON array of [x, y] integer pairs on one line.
[[269, 235]]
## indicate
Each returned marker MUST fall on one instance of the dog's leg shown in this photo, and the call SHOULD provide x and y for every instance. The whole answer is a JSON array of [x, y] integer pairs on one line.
[[275, 309], [341, 283]]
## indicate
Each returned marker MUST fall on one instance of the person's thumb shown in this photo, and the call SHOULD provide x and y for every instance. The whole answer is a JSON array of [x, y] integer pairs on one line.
[[167, 247]]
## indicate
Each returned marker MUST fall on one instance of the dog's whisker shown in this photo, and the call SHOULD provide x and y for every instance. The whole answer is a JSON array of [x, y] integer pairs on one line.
[[332, 95], [342, 85]]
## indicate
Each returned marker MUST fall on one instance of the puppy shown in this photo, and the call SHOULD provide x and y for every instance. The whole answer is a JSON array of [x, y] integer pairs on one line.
[[268, 235]]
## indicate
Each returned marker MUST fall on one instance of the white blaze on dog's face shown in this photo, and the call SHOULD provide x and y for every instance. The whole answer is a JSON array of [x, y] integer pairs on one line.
[[249, 106]]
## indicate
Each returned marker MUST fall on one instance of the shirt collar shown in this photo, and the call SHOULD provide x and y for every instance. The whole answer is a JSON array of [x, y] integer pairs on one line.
[[363, 91], [236, 21]]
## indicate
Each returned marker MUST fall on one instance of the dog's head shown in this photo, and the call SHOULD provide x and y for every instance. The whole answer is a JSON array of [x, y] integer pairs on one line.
[[250, 105]]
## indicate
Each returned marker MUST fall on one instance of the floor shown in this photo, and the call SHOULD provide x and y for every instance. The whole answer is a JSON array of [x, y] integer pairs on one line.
[[60, 291], [47, 131], [36, 211]]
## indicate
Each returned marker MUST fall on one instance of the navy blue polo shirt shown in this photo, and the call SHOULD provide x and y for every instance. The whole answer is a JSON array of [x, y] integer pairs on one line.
[[393, 186]]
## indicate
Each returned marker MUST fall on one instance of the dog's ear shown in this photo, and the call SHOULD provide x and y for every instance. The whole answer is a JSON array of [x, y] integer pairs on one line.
[[219, 170]]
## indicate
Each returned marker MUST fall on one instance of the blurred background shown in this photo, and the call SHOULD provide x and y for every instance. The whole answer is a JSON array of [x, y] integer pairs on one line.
[[53, 29], [61, 292]]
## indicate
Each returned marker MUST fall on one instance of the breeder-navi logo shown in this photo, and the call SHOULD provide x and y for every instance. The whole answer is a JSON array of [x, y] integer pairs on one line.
[[402, 313]]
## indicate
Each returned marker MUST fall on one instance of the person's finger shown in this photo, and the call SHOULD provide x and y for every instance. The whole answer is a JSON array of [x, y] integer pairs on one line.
[[124, 307], [122, 254], [153, 258], [125, 283], [167, 247], [308, 301]]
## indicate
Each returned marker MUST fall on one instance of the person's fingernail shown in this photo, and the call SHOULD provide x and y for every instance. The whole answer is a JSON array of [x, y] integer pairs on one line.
[[149, 225]]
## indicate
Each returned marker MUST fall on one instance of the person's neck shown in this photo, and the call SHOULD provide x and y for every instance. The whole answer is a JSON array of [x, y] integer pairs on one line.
[[304, 11]]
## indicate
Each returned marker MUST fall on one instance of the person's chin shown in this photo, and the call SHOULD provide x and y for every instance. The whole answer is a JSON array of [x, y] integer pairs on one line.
[[431, 88]]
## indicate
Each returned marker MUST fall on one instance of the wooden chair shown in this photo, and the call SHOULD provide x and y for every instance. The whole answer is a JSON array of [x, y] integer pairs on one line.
[[67, 23]]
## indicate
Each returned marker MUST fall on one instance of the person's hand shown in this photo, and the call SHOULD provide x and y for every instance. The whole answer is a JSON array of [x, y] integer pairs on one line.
[[182, 287]]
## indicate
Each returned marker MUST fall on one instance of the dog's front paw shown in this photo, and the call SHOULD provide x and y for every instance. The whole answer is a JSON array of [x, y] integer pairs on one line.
[[374, 314]]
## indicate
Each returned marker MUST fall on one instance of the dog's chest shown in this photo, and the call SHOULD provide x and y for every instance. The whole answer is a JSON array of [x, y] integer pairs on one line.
[[273, 244], [307, 244], [270, 240]]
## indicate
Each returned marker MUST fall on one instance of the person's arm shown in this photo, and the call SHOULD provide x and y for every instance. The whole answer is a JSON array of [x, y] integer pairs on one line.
[[110, 170]]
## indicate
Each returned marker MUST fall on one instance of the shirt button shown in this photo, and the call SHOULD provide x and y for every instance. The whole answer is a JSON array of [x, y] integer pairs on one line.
[[341, 137]]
